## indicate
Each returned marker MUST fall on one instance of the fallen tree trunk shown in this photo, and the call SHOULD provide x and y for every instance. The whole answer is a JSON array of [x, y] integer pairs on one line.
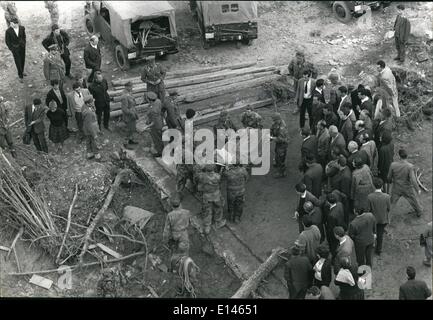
[[261, 273], [187, 73], [202, 78], [118, 113], [120, 177], [227, 89]]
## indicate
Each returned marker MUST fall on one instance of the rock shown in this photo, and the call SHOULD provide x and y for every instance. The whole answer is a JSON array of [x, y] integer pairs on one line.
[[108, 62], [333, 63], [389, 35], [115, 69], [422, 56], [137, 216], [364, 48]]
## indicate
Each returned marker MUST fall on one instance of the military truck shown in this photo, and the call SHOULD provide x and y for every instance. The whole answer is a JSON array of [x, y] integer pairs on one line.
[[344, 11]]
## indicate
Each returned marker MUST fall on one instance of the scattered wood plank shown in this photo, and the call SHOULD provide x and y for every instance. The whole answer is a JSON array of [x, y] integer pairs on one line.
[[17, 260], [261, 273], [19, 234], [41, 281], [109, 251], [153, 292], [118, 113], [187, 73], [5, 249]]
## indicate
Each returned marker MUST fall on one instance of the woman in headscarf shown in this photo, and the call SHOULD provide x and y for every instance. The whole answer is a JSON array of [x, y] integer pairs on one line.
[[58, 132], [347, 281]]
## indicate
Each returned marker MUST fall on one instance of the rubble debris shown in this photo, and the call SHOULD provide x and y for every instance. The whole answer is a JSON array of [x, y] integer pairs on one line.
[[109, 251], [137, 216], [41, 281]]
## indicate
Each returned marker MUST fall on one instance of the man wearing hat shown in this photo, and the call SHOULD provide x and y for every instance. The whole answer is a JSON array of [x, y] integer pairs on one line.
[[15, 39], [92, 57], [176, 228], [280, 136], [90, 128], [153, 75], [130, 115], [155, 122], [401, 33], [61, 39], [54, 67]]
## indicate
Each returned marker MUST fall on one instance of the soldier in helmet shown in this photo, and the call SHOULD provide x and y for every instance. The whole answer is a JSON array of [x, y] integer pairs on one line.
[[279, 135], [130, 115], [298, 65], [251, 119], [155, 122], [176, 228], [224, 122], [209, 185], [153, 75], [237, 177]]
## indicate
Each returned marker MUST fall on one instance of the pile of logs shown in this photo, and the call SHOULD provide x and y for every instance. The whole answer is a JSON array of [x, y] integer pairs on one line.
[[200, 85]]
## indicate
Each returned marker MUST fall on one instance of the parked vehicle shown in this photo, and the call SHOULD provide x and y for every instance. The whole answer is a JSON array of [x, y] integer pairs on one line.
[[221, 21], [345, 10], [135, 29]]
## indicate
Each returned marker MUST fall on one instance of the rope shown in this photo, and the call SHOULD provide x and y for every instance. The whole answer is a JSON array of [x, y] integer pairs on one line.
[[184, 274]]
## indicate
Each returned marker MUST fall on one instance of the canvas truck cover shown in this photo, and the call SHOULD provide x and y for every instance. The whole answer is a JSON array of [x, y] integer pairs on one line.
[[213, 12], [123, 13]]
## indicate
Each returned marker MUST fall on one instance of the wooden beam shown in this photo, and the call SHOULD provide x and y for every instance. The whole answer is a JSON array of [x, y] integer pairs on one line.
[[187, 73], [251, 284], [118, 113]]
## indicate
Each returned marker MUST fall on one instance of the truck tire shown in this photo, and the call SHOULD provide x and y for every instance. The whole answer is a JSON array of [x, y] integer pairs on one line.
[[121, 55], [89, 25], [341, 11]]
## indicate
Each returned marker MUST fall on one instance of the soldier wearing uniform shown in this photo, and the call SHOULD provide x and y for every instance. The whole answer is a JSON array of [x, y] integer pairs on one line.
[[251, 119], [176, 228], [130, 115], [5, 133], [153, 75], [209, 185], [155, 122], [237, 177], [172, 114], [184, 172], [297, 67], [279, 135]]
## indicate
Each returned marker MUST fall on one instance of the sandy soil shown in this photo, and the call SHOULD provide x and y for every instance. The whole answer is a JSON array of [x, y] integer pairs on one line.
[[284, 27]]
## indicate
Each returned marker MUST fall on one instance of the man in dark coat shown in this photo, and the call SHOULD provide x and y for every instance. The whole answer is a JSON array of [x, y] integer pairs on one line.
[[386, 157], [337, 142], [99, 90], [58, 95], [15, 38], [313, 177], [366, 102], [304, 196], [61, 39], [346, 127], [342, 180], [34, 120], [413, 289], [362, 230], [401, 33], [355, 153], [92, 57], [334, 218], [304, 97], [381, 126], [329, 116], [298, 274], [308, 147]]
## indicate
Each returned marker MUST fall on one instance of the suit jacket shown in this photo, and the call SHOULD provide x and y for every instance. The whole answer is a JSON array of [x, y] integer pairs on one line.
[[347, 249], [414, 290], [401, 28], [301, 89], [319, 95], [358, 154], [92, 57], [38, 115], [313, 179], [346, 130], [386, 156], [402, 176], [363, 228], [342, 181], [340, 143], [309, 146], [379, 129], [100, 93], [335, 218], [62, 42], [310, 197], [311, 237], [12, 41], [51, 95], [323, 142], [331, 119], [380, 205], [341, 101], [297, 272], [367, 105]]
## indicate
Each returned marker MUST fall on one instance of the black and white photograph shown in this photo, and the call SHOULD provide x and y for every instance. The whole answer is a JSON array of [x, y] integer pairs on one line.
[[240, 150]]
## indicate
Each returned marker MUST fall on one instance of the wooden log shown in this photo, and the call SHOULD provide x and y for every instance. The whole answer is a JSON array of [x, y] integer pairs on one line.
[[227, 89], [19, 234], [118, 113], [261, 273], [203, 78], [214, 115], [120, 177], [187, 73]]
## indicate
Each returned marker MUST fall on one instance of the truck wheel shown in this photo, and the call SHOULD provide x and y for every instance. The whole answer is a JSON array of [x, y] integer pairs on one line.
[[121, 57], [90, 26], [247, 42], [341, 11], [238, 44]]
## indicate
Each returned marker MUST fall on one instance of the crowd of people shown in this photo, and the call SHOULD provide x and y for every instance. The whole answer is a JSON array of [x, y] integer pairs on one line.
[[347, 159]]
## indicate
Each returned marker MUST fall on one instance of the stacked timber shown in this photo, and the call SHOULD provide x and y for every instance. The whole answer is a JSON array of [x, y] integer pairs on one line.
[[196, 87]]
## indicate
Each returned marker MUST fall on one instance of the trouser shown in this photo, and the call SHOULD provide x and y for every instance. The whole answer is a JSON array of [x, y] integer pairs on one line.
[[428, 249], [66, 59], [157, 139], [297, 294], [103, 111], [364, 253], [235, 205], [20, 59], [179, 243], [159, 89], [91, 75], [306, 106], [401, 48], [40, 141], [91, 144], [280, 156], [211, 209], [332, 242], [79, 119], [395, 105], [182, 177], [300, 224], [380, 228], [6, 140], [410, 196]]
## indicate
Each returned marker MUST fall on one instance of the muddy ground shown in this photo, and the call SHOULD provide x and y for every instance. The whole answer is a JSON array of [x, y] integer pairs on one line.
[[284, 27]]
